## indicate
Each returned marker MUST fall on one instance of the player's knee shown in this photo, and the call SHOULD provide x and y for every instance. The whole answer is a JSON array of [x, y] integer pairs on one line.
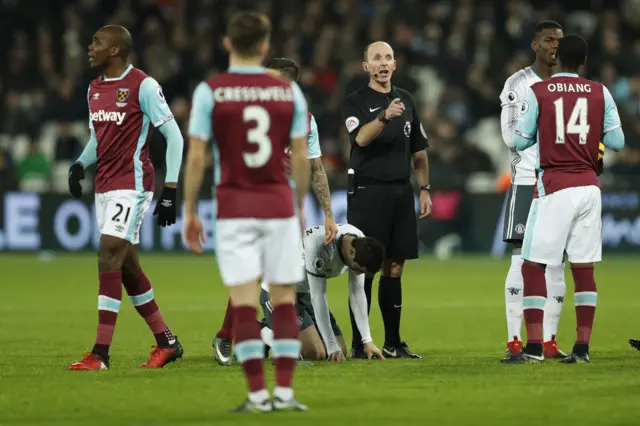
[[314, 352], [112, 254], [392, 268]]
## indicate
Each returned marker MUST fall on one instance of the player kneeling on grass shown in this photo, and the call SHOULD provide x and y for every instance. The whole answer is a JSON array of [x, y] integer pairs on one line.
[[350, 251], [123, 103]]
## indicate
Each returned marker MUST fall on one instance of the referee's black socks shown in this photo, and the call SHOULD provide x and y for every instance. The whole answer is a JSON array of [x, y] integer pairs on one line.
[[390, 301], [356, 341]]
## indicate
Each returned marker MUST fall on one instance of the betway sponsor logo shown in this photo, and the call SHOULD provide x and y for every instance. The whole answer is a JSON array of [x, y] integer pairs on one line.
[[253, 94], [108, 116]]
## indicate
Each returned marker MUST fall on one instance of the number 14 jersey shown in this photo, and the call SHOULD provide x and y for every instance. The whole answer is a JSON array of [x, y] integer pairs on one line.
[[567, 116], [252, 117]]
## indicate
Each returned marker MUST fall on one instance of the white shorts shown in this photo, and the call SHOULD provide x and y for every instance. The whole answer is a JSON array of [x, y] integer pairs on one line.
[[568, 220], [248, 249], [120, 213]]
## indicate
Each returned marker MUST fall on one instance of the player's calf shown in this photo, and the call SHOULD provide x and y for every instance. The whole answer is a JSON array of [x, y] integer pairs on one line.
[[586, 297], [286, 344], [112, 252]]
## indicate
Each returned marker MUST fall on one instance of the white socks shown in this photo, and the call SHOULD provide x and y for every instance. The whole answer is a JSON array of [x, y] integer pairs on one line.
[[556, 290], [514, 287]]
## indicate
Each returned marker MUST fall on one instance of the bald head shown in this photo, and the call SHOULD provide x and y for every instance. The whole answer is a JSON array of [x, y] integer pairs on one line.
[[379, 63], [119, 36], [377, 46]]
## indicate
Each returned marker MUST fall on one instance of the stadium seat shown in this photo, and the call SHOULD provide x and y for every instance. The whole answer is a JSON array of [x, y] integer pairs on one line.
[[60, 177], [35, 185], [19, 148]]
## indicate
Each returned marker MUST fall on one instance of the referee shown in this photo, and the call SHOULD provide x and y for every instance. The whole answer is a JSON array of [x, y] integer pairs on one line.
[[386, 139]]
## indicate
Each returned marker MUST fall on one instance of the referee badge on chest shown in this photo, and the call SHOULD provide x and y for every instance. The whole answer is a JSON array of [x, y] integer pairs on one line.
[[407, 129], [122, 96]]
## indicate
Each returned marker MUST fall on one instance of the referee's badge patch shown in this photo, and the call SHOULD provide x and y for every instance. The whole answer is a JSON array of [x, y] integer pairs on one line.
[[407, 129], [520, 228], [352, 123]]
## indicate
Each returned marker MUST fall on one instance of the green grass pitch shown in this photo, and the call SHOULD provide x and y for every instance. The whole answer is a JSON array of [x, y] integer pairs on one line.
[[453, 314]]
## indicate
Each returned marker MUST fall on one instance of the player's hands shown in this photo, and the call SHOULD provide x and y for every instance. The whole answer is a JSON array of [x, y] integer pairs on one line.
[[372, 351], [194, 233], [166, 207], [330, 230], [395, 109], [336, 356], [425, 204], [76, 174]]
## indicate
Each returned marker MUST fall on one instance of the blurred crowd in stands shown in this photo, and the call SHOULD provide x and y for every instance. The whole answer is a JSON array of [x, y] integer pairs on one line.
[[453, 55]]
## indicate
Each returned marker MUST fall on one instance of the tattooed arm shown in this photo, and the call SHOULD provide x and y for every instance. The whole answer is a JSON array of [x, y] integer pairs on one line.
[[320, 185]]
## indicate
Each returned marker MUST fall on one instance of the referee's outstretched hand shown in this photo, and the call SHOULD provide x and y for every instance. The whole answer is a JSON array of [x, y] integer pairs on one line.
[[395, 109]]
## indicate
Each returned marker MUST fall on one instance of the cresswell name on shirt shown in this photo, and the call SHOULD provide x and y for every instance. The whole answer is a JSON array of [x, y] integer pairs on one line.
[[252, 94]]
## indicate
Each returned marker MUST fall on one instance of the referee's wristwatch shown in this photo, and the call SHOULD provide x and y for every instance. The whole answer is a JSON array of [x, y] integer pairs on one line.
[[382, 116], [426, 188]]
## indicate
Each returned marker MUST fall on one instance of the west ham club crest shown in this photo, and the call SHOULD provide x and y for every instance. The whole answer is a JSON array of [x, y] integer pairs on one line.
[[122, 96]]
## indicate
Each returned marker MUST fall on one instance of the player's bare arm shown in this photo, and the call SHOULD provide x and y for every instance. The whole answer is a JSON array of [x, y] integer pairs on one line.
[[421, 169], [193, 175], [300, 167], [320, 185]]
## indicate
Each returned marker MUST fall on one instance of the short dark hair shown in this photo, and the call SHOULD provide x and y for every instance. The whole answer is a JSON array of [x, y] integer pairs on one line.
[[247, 30], [547, 25], [369, 253], [572, 51], [286, 66]]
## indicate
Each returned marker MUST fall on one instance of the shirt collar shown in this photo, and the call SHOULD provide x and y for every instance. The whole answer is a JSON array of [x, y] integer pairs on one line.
[[393, 93], [247, 70], [565, 74]]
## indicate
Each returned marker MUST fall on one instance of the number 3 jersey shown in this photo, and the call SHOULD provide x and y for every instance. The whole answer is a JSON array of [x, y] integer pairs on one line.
[[252, 117], [512, 100]]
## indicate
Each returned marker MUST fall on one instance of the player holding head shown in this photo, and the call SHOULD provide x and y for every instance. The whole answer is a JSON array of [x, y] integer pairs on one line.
[[253, 117], [123, 104], [566, 115], [518, 202], [222, 343]]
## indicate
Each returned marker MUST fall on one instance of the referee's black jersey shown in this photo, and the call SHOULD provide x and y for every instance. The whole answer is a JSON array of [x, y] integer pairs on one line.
[[388, 157]]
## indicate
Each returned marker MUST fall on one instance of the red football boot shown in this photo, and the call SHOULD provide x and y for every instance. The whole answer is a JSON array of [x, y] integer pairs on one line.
[[90, 362], [551, 350], [514, 348], [163, 356]]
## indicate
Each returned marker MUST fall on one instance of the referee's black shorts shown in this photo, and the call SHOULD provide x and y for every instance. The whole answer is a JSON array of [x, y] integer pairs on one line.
[[386, 212]]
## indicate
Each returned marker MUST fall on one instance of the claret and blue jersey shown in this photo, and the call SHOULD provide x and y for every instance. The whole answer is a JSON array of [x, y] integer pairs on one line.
[[252, 118], [567, 117], [121, 113]]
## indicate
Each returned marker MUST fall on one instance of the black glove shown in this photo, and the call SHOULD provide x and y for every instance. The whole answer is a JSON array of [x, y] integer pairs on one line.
[[76, 174], [600, 167], [166, 207]]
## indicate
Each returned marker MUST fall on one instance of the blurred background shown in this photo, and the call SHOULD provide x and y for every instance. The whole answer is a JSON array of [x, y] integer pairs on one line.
[[454, 56]]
